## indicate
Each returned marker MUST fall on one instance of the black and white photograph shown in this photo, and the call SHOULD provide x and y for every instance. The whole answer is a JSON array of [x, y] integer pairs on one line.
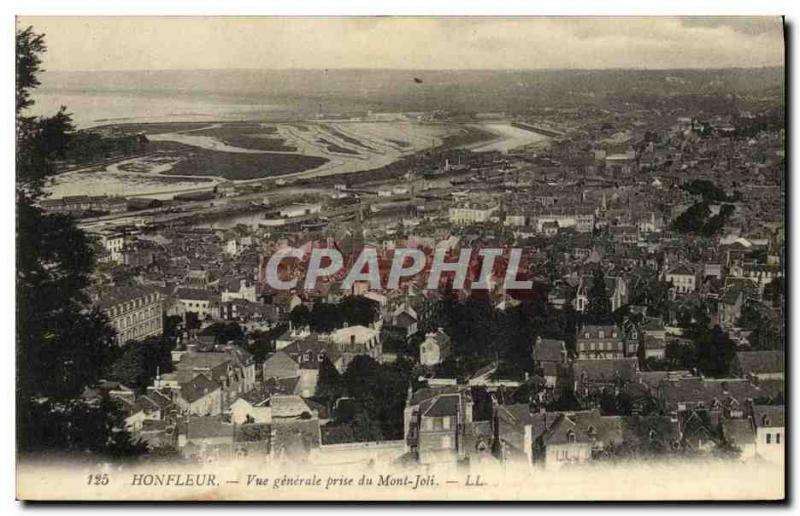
[[400, 258]]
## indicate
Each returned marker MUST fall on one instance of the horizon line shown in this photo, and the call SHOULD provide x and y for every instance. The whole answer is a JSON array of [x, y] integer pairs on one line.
[[365, 69]]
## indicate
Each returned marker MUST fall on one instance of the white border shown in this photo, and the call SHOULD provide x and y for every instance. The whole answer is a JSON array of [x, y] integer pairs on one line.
[[322, 7]]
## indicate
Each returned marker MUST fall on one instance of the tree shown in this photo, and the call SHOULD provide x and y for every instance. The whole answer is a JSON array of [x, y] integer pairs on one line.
[[138, 363], [325, 317], [715, 352], [359, 310], [330, 385], [224, 332], [63, 342], [598, 309], [300, 316]]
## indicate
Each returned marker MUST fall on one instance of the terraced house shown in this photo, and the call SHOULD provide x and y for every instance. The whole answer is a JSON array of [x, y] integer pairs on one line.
[[135, 312]]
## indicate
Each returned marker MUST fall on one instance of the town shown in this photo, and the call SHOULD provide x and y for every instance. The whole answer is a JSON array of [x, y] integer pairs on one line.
[[592, 274], [653, 241]]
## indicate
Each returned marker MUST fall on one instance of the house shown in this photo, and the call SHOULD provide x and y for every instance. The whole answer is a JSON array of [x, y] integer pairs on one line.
[[549, 357], [595, 375], [135, 312], [599, 342], [434, 349], [404, 322], [205, 437], [555, 439], [682, 277], [200, 396], [195, 300], [741, 434], [730, 396], [700, 430], [764, 365], [353, 341], [472, 213], [291, 335], [654, 347], [770, 427], [251, 408], [302, 359], [436, 421], [234, 288], [729, 306]]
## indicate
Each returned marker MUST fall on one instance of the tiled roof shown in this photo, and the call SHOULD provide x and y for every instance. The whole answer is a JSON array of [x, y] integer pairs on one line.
[[198, 387]]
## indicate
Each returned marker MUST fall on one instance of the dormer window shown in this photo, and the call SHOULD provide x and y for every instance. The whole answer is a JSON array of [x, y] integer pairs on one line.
[[765, 420], [601, 334], [570, 436]]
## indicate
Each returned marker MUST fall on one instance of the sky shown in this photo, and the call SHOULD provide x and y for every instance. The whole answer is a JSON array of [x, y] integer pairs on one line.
[[181, 43]]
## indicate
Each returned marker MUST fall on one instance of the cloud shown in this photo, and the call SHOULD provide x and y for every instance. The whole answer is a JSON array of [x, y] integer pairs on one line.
[[118, 43]]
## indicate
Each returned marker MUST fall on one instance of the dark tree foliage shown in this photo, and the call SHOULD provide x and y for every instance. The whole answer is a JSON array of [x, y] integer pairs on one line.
[[63, 343], [325, 317], [330, 384], [711, 350], [77, 427], [598, 309], [137, 363], [706, 189], [377, 395], [693, 219], [224, 332], [359, 310], [699, 221], [300, 316], [260, 343]]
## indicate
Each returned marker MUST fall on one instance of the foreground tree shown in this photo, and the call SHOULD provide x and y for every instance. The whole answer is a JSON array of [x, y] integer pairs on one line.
[[63, 343]]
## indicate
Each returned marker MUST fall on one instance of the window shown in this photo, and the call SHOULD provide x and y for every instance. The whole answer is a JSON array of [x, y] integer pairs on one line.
[[446, 423], [777, 438], [428, 423], [446, 441], [570, 437], [769, 438], [602, 334]]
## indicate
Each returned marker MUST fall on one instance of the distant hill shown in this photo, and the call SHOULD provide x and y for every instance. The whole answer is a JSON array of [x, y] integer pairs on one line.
[[422, 90]]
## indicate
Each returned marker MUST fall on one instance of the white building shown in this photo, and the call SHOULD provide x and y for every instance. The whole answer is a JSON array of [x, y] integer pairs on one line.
[[472, 213]]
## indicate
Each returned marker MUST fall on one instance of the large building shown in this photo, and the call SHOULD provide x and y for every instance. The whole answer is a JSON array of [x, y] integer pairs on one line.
[[599, 342], [472, 213], [135, 312]]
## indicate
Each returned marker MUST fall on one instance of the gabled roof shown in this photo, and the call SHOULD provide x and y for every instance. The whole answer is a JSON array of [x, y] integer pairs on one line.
[[681, 269], [549, 350], [761, 362], [197, 388], [769, 416], [444, 405], [203, 427], [607, 369]]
